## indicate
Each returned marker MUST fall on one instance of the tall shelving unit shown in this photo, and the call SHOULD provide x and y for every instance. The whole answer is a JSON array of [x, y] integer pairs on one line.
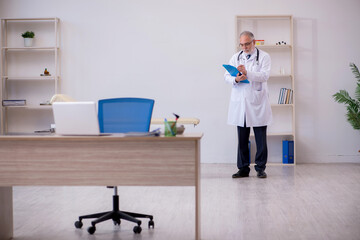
[[274, 29], [21, 69]]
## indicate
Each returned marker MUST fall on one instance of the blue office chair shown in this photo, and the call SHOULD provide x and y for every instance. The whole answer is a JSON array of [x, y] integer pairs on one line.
[[121, 115]]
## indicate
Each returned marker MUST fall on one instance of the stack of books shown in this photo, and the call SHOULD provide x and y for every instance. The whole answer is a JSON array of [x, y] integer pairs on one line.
[[285, 96], [15, 102]]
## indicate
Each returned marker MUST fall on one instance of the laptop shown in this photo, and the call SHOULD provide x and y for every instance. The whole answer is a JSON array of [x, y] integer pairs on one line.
[[76, 118]]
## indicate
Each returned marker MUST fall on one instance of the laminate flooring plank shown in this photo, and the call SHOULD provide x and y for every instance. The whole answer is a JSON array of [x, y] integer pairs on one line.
[[306, 201]]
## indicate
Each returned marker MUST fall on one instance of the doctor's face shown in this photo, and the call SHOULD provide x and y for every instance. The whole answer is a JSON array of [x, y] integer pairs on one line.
[[246, 44]]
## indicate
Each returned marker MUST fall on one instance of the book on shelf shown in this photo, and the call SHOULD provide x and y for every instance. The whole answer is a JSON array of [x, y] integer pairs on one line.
[[14, 102], [285, 96]]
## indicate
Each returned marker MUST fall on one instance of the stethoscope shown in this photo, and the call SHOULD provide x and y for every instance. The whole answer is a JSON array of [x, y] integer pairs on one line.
[[257, 56]]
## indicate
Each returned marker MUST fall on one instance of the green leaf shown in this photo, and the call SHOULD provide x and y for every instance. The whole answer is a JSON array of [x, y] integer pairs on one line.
[[353, 105], [343, 97], [357, 92], [355, 71], [354, 119]]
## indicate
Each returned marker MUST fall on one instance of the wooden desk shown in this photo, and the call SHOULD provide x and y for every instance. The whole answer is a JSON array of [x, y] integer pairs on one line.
[[97, 161]]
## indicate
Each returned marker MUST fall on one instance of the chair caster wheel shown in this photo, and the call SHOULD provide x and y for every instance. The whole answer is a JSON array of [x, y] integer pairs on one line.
[[117, 222], [137, 229], [151, 224], [91, 229], [78, 224]]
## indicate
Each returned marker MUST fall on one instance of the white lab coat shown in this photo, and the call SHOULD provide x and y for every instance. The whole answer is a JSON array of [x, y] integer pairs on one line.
[[250, 100]]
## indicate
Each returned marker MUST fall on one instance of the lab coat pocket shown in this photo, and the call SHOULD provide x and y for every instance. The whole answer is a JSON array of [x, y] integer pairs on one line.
[[256, 86], [257, 97]]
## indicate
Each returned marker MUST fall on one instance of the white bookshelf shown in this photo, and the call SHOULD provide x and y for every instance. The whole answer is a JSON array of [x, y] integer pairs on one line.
[[274, 29], [21, 69]]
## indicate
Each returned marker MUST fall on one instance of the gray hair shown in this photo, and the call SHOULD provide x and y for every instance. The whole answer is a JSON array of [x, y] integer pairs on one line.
[[247, 33]]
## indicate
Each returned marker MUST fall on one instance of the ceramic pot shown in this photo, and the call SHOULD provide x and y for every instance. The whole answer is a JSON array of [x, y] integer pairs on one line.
[[28, 42]]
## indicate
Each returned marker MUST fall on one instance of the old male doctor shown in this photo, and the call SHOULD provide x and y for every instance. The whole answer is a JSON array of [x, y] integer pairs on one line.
[[249, 103]]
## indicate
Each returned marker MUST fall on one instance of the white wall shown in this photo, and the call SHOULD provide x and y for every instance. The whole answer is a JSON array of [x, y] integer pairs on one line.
[[172, 51]]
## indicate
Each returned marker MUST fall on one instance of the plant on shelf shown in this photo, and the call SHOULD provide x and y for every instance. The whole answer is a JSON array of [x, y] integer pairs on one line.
[[353, 105], [28, 38], [28, 34]]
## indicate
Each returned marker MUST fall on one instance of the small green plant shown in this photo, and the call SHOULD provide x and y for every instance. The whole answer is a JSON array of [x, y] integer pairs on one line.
[[28, 34], [353, 105]]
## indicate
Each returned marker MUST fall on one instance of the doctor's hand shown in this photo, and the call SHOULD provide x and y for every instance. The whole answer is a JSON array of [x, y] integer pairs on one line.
[[242, 69], [240, 78]]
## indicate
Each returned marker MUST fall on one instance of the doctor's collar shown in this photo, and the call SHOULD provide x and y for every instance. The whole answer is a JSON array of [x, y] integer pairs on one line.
[[253, 53]]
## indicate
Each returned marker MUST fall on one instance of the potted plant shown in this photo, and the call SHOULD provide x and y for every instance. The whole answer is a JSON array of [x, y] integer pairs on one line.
[[28, 38], [353, 104]]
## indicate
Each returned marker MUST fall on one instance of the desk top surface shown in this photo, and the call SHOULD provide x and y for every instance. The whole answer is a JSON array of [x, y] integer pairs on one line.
[[113, 137]]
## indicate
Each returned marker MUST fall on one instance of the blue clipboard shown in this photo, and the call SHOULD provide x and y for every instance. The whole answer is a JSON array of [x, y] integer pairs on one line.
[[234, 72]]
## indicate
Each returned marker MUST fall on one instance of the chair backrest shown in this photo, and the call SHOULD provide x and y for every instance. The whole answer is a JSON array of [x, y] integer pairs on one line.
[[123, 115]]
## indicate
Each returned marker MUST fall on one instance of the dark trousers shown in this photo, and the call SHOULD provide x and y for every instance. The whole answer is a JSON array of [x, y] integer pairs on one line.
[[243, 148]]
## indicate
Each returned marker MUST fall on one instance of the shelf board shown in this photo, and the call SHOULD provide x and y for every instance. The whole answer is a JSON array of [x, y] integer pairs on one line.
[[266, 17], [271, 47], [280, 134], [30, 48], [274, 46], [282, 105], [53, 19], [280, 76], [276, 134], [45, 107], [40, 78]]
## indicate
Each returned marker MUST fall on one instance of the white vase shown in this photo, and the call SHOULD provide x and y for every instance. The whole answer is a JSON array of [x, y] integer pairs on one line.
[[28, 42]]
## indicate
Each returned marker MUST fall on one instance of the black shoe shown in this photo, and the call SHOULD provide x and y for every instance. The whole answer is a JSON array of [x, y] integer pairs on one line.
[[261, 174], [240, 174]]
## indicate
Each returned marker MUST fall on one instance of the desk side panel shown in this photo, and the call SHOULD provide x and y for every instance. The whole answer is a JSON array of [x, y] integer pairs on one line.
[[198, 194], [6, 213], [142, 163]]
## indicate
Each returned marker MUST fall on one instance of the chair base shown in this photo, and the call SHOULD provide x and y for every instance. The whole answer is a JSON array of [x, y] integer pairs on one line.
[[116, 215]]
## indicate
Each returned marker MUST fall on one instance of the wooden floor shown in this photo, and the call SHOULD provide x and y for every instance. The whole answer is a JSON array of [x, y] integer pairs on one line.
[[310, 201]]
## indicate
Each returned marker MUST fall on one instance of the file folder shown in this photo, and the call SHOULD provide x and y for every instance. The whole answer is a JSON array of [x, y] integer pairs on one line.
[[288, 152], [234, 72]]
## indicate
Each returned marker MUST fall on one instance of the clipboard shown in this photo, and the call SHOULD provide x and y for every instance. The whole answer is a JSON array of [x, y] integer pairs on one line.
[[234, 72]]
